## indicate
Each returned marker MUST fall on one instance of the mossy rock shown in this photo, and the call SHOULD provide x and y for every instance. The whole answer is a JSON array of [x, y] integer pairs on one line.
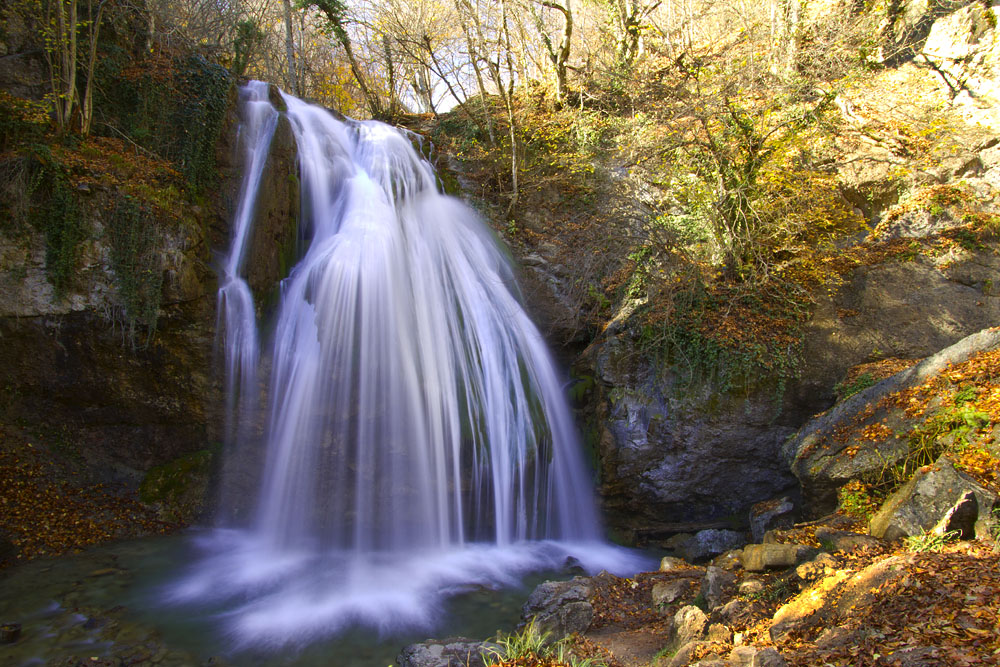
[[179, 486]]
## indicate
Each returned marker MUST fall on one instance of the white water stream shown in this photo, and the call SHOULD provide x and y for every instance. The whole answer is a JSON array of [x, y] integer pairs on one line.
[[418, 441]]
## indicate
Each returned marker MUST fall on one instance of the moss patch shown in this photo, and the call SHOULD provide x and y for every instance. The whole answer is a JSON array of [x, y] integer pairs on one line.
[[178, 486]]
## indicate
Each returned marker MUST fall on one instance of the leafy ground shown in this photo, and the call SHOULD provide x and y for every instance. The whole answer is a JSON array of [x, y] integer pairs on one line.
[[941, 610], [48, 508]]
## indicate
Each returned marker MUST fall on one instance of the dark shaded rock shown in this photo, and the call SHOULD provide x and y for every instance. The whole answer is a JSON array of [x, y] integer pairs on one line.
[[273, 245], [560, 608], [708, 543], [770, 515], [179, 487], [454, 652], [8, 550], [938, 496]]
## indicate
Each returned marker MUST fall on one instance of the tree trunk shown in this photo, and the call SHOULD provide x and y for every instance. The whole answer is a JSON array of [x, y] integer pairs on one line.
[[71, 77], [293, 70], [559, 56], [508, 99], [474, 57], [374, 106], [87, 108]]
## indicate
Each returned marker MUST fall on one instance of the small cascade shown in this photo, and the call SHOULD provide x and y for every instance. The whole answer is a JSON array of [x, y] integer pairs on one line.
[[237, 319], [418, 441]]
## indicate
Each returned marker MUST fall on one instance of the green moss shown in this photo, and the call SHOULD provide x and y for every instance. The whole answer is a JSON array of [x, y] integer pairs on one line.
[[845, 390], [171, 482]]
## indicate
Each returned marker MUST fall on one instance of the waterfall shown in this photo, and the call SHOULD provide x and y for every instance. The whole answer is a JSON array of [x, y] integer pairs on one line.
[[417, 438], [236, 316]]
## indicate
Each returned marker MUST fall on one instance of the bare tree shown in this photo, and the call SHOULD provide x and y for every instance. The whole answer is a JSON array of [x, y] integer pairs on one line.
[[292, 79], [558, 55]]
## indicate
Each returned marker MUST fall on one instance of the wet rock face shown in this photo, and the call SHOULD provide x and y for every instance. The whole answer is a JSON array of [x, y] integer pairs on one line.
[[73, 383], [73, 380], [670, 454]]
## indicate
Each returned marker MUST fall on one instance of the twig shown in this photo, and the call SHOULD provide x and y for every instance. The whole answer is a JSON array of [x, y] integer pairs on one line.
[[128, 139]]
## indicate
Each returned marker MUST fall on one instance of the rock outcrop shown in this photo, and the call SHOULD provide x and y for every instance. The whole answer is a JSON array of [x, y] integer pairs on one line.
[[824, 461], [454, 652], [119, 401], [937, 499]]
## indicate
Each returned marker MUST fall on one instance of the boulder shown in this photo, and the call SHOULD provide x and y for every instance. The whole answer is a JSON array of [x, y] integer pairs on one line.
[[689, 625], [964, 45], [732, 612], [666, 593], [742, 656], [454, 652], [768, 657], [937, 498], [820, 566], [731, 560], [760, 557], [717, 632], [708, 543], [769, 515], [669, 564], [686, 653], [831, 597], [560, 608], [717, 586], [752, 656]]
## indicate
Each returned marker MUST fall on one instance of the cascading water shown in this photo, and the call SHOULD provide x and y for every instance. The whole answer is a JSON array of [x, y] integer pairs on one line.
[[417, 440]]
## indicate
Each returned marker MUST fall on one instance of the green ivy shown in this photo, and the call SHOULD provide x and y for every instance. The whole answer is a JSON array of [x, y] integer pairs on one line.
[[696, 357], [205, 94], [57, 215], [174, 109], [137, 265]]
